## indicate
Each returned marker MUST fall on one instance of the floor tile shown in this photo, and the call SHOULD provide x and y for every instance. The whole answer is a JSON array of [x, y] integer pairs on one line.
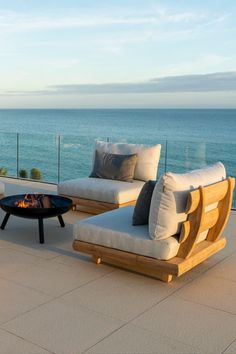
[[131, 339], [11, 260], [11, 344], [211, 291], [120, 294], [231, 349], [62, 328], [16, 299], [57, 279], [225, 269], [197, 325]]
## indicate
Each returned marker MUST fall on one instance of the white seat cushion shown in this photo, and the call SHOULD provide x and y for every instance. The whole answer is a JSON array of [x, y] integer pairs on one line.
[[103, 190], [148, 157], [169, 199], [114, 229]]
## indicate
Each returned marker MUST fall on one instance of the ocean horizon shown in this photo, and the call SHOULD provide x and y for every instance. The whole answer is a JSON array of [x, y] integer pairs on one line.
[[60, 142], [209, 125]]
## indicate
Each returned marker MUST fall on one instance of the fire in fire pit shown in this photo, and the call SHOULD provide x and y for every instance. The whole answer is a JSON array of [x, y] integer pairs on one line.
[[34, 201]]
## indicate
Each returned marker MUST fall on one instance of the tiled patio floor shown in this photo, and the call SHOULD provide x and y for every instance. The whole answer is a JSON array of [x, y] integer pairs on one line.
[[54, 300]]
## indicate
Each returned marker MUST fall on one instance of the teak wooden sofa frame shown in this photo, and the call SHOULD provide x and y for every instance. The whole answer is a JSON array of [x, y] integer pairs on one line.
[[191, 253], [95, 206]]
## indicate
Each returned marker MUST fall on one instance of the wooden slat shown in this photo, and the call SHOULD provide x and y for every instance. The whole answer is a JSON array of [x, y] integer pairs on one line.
[[126, 257], [213, 194], [137, 268], [209, 219], [153, 267], [201, 252], [185, 230], [95, 206], [195, 220], [224, 207]]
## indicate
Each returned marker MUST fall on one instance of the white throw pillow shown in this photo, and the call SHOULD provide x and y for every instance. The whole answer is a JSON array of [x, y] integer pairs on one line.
[[169, 199], [148, 157]]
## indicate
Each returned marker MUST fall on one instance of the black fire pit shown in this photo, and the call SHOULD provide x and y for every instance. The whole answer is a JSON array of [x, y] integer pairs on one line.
[[35, 206]]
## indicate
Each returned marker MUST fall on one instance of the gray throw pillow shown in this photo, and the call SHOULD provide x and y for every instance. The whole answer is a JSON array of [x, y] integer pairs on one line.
[[113, 166], [142, 207]]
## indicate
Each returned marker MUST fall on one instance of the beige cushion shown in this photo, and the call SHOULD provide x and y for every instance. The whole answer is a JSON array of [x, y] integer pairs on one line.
[[148, 157], [114, 229], [104, 190], [168, 204]]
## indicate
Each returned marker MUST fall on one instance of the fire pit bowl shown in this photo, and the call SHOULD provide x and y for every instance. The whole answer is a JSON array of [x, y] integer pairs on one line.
[[35, 206]]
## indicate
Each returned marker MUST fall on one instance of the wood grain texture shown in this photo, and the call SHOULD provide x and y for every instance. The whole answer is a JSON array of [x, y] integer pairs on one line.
[[95, 206]]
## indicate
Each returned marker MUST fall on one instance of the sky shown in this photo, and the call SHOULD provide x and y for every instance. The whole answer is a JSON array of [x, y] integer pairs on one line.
[[117, 54]]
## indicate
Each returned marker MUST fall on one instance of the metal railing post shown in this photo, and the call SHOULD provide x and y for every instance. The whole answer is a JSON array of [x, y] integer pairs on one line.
[[17, 155], [166, 151], [58, 157]]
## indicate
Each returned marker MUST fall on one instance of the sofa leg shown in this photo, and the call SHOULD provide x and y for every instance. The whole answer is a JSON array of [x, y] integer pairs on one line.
[[97, 259], [166, 278]]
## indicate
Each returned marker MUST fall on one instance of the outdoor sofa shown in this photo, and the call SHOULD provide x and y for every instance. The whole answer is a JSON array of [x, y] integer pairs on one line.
[[188, 213], [96, 195]]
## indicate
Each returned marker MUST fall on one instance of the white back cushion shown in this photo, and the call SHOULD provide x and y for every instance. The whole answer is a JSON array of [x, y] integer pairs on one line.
[[148, 157], [169, 199]]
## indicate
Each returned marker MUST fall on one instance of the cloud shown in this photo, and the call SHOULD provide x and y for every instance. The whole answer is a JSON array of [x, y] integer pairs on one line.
[[21, 22], [18, 21], [225, 81]]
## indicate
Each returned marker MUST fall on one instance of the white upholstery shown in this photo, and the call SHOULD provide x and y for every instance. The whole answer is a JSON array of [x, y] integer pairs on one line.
[[148, 157], [167, 211], [104, 190], [114, 229], [2, 188]]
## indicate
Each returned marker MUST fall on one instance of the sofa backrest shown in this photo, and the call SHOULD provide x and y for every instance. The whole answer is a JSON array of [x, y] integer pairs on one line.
[[208, 209], [169, 199], [148, 157]]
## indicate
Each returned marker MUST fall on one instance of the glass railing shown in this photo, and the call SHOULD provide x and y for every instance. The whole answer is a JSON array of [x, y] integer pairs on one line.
[[54, 158]]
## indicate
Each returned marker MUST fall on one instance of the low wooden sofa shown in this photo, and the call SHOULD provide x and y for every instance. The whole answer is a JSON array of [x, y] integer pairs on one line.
[[111, 238], [97, 195]]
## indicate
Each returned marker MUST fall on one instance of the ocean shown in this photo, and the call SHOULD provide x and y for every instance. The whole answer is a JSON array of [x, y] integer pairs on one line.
[[59, 142], [207, 125]]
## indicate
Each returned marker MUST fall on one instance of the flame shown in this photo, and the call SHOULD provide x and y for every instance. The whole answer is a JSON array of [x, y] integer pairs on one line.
[[22, 204], [29, 201]]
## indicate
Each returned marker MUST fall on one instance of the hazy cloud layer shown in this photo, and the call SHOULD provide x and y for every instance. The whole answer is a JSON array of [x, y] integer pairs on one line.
[[186, 83], [170, 84]]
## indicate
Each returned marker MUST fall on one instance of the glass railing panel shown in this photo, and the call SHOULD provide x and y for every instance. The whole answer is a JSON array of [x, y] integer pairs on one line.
[[38, 152], [8, 155], [183, 156], [59, 158], [225, 153], [76, 156]]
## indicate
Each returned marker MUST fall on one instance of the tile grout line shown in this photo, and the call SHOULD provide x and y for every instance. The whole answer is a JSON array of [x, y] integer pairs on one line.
[[53, 299], [108, 335], [234, 341], [205, 305], [27, 341]]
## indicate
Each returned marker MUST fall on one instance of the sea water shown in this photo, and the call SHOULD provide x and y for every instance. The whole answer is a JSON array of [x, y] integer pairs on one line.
[[60, 142]]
